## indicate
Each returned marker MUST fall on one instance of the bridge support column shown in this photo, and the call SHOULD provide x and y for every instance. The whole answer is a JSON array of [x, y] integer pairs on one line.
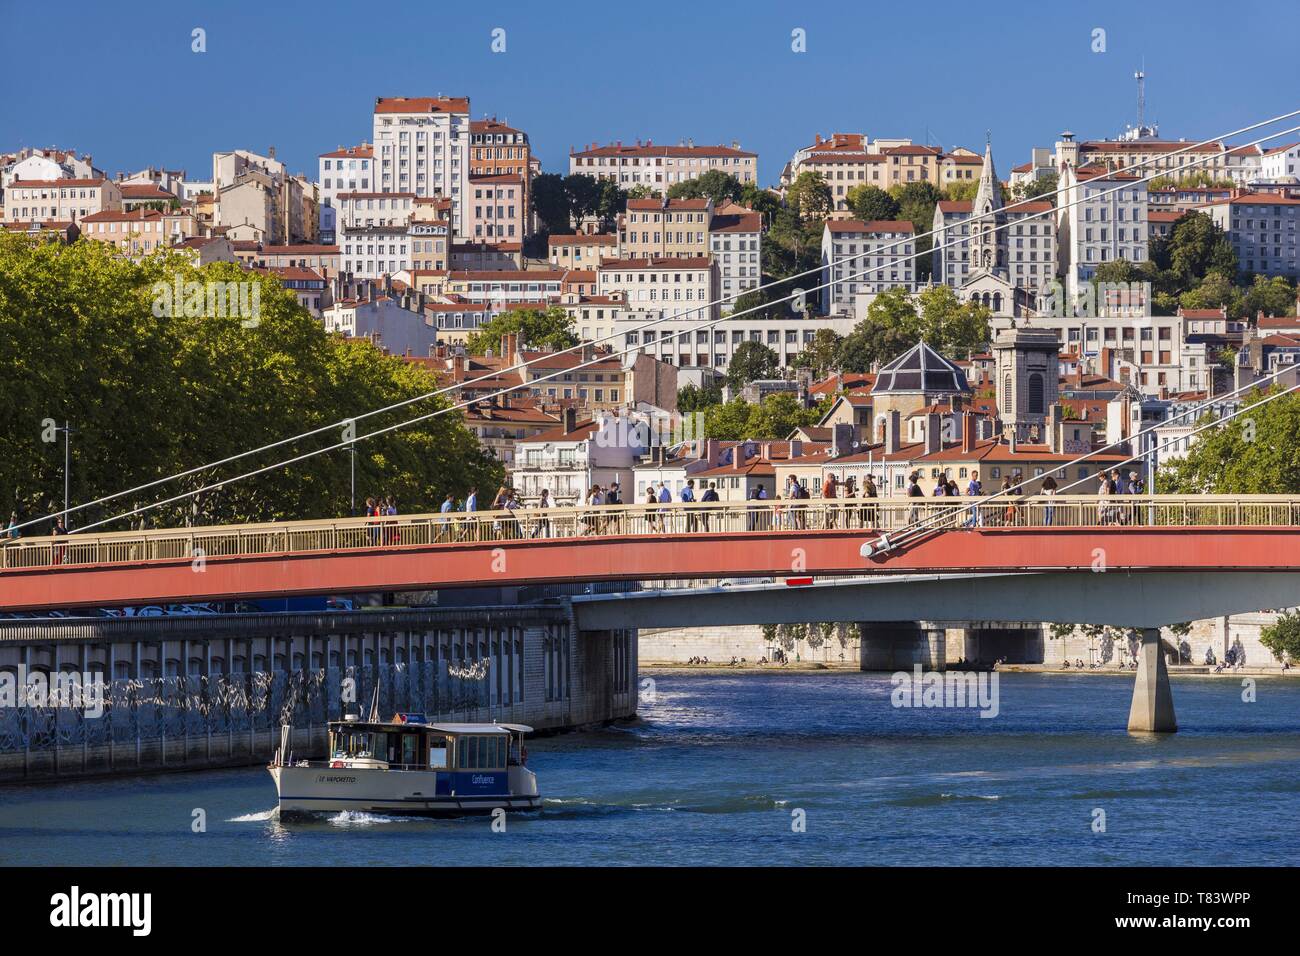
[[897, 645], [1153, 701]]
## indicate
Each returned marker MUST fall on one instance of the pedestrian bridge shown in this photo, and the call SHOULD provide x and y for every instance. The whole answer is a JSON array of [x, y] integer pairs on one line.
[[776, 538]]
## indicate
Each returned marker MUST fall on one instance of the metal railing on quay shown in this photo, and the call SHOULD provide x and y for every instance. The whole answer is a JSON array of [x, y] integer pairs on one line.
[[867, 515]]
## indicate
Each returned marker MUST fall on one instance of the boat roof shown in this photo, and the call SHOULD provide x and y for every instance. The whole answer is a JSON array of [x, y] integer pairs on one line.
[[441, 728]]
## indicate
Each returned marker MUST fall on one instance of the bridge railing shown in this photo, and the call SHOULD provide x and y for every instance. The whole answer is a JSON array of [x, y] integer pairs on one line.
[[865, 515]]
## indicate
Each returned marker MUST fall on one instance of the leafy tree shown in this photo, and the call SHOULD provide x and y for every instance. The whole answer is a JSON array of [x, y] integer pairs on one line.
[[1257, 453], [951, 326], [692, 398], [963, 190], [762, 201], [551, 203], [729, 421], [1283, 636], [639, 191], [714, 184], [152, 390], [1041, 186], [777, 415], [611, 202], [822, 354], [809, 196], [551, 328], [1272, 296], [916, 202], [1196, 247], [751, 361], [584, 195], [870, 203], [1215, 291]]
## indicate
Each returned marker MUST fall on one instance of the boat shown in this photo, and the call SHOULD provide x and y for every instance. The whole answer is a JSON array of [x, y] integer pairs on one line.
[[409, 766]]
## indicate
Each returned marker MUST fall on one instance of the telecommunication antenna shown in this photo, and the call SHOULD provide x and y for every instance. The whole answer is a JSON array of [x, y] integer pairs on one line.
[[1141, 77]]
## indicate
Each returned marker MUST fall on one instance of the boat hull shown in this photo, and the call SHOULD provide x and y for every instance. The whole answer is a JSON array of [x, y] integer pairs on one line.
[[311, 790]]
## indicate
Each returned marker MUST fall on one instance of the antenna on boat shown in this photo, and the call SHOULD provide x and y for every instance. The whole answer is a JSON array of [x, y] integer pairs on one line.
[[374, 705]]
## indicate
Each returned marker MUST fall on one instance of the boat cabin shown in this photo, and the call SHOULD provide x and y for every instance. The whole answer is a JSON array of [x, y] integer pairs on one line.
[[409, 742]]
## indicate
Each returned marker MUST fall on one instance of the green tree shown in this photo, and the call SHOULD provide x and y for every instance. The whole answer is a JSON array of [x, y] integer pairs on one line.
[[611, 202], [916, 202], [1283, 637], [952, 327], [762, 201], [809, 196], [729, 421], [1257, 453], [551, 203], [1215, 291], [692, 398], [777, 415], [751, 361], [1272, 296], [1040, 187], [822, 354], [714, 184], [551, 328], [871, 203], [583, 193], [963, 190], [154, 387]]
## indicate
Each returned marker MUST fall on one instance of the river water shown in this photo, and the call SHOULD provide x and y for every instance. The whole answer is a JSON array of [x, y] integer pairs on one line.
[[776, 769]]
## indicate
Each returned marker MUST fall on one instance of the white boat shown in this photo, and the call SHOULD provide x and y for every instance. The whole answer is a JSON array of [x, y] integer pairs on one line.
[[410, 766]]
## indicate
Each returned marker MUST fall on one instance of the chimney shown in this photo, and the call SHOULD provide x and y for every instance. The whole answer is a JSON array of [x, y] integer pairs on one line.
[[1055, 416], [738, 456], [711, 450], [893, 440], [766, 451], [841, 439], [968, 432], [570, 418], [1012, 439], [458, 363], [933, 433]]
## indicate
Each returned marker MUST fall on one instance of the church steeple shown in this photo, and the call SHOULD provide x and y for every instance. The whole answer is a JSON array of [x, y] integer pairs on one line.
[[986, 242]]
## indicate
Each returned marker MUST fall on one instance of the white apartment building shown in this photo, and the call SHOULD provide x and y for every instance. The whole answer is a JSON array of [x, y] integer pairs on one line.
[[1102, 217], [373, 233], [1262, 230], [1280, 164], [735, 240], [345, 170], [59, 200], [569, 459], [660, 166], [421, 146], [385, 322], [868, 257], [671, 286], [1027, 235], [679, 342]]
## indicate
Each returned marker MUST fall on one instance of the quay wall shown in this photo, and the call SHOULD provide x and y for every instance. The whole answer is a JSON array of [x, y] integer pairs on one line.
[[214, 690]]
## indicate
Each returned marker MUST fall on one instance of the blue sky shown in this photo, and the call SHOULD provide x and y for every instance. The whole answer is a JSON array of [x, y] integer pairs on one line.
[[303, 76]]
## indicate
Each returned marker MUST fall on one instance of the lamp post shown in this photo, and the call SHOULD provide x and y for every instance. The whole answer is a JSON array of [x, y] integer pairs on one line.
[[67, 435], [352, 449]]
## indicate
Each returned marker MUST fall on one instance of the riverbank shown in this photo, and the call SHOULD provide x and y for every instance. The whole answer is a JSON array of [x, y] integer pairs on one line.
[[675, 669]]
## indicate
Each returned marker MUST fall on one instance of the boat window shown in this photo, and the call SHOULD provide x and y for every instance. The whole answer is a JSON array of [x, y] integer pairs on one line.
[[438, 753], [471, 753], [378, 747], [410, 749]]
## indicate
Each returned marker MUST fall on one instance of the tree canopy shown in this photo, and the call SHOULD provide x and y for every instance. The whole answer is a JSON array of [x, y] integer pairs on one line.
[[149, 395], [1256, 453], [714, 184], [549, 328], [751, 361], [893, 324]]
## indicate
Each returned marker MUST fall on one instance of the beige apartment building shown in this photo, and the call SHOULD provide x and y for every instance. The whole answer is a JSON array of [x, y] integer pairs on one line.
[[138, 232], [581, 250], [670, 286], [660, 166], [496, 149], [495, 207], [666, 227], [373, 235], [63, 200]]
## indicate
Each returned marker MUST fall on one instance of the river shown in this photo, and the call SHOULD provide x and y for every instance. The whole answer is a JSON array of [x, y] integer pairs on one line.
[[776, 769]]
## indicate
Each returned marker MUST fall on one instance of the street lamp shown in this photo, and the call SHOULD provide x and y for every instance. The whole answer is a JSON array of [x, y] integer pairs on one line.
[[352, 448], [67, 435]]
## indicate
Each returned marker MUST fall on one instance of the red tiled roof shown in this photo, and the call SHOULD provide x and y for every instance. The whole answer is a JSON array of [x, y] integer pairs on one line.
[[652, 205], [749, 222], [876, 225], [646, 149], [364, 151], [53, 183], [667, 262], [579, 239], [422, 104]]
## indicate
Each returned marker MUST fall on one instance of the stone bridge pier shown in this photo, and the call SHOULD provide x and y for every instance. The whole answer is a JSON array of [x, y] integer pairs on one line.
[[1152, 710]]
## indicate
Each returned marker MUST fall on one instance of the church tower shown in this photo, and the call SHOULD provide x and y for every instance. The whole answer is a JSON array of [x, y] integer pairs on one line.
[[987, 242], [1027, 366]]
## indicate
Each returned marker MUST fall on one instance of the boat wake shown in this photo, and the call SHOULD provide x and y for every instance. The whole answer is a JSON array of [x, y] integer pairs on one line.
[[261, 817], [555, 808]]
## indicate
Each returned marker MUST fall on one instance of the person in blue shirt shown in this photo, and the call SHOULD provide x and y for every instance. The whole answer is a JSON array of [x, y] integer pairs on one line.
[[688, 495], [710, 495]]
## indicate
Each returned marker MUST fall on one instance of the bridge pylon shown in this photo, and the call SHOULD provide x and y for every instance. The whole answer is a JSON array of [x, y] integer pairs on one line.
[[1152, 710]]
